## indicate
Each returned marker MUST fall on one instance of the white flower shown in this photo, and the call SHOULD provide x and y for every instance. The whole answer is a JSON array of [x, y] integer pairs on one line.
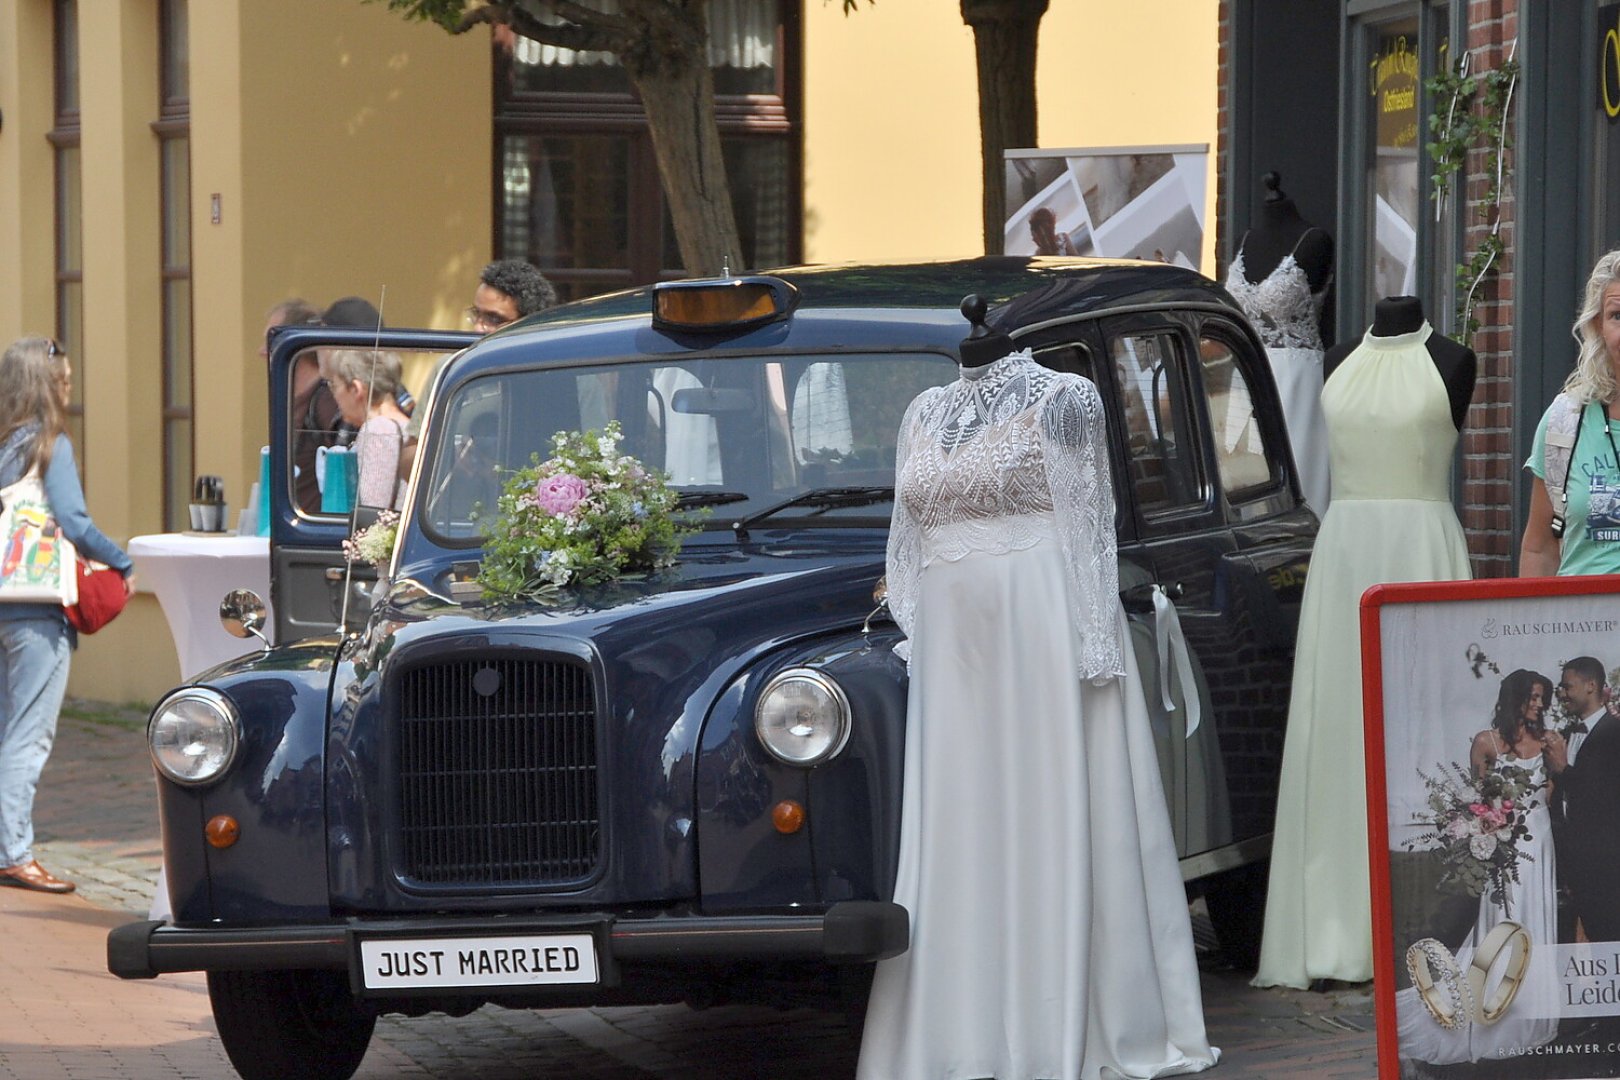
[[1482, 847], [1504, 835], [1456, 829]]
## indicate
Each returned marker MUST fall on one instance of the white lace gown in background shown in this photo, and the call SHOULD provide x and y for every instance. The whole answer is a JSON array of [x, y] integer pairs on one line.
[[1049, 930], [1287, 316], [1532, 1018]]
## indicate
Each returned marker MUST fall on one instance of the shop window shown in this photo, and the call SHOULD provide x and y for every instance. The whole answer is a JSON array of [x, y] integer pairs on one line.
[[1606, 161], [577, 185], [1397, 149], [1241, 459], [1160, 453]]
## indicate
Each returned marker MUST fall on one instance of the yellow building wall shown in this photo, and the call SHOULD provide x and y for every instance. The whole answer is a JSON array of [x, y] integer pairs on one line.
[[891, 121], [349, 152]]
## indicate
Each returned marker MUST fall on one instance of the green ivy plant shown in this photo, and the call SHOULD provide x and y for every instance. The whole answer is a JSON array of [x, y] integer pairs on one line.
[[1471, 111]]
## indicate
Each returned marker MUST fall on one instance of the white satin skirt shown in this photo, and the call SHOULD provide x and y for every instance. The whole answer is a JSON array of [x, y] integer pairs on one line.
[[1298, 373], [1049, 929]]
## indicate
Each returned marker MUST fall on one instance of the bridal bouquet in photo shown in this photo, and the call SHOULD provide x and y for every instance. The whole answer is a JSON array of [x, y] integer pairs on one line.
[[585, 515], [374, 544], [1476, 823]]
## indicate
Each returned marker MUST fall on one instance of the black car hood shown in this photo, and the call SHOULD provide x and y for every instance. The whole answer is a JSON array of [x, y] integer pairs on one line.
[[660, 652], [731, 595]]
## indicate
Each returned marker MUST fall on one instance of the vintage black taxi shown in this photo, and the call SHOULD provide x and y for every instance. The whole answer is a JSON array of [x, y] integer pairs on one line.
[[686, 786]]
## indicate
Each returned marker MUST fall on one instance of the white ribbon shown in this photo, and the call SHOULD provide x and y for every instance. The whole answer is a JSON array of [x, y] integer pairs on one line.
[[1167, 632]]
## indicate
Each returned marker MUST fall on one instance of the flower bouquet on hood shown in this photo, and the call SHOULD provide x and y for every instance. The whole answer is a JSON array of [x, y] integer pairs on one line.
[[1476, 824], [586, 515]]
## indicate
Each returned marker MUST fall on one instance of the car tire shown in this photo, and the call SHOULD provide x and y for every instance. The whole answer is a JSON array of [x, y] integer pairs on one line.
[[1237, 909], [290, 1025]]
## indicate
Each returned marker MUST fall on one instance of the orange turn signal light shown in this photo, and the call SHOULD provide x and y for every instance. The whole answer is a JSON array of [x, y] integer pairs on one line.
[[787, 816], [222, 830]]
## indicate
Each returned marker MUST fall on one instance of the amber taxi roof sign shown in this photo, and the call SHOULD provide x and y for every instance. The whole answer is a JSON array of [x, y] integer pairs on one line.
[[722, 303]]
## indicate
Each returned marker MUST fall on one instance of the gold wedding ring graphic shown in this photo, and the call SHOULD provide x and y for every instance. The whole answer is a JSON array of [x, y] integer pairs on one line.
[[1453, 997], [1504, 935], [1440, 984]]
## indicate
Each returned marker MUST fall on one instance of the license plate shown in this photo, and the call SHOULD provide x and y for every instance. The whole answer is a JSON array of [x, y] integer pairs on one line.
[[525, 960]]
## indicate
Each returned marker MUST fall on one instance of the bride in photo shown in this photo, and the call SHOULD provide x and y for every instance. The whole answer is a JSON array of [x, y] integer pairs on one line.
[[1495, 997]]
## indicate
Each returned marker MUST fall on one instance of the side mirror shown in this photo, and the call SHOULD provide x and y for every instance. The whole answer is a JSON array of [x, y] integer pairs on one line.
[[242, 614]]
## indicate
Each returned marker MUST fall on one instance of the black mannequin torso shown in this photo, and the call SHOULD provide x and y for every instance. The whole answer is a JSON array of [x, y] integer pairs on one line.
[[1457, 364], [1278, 230], [982, 345]]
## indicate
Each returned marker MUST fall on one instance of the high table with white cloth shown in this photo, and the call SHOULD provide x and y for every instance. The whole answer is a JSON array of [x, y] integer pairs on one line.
[[190, 574]]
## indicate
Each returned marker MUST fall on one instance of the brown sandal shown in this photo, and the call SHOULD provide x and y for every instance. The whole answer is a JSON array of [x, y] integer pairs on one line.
[[31, 875]]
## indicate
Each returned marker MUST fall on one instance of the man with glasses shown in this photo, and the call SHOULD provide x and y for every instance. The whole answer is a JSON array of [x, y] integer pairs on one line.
[[508, 289]]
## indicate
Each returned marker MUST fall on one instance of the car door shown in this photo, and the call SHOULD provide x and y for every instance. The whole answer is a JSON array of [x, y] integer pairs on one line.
[[1152, 389], [1247, 635], [1160, 496], [307, 530]]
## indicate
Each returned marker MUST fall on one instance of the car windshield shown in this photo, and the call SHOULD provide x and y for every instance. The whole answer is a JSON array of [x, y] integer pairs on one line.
[[739, 433]]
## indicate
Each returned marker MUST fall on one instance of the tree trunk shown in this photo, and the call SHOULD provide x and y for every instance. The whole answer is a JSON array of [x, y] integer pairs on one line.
[[1004, 37], [686, 139]]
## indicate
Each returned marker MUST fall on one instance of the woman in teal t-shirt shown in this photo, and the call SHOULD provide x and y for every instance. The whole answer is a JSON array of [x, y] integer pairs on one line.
[[1587, 540]]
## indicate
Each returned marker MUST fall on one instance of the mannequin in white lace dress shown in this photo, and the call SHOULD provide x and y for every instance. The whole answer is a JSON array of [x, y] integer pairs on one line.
[[1280, 277], [1050, 936]]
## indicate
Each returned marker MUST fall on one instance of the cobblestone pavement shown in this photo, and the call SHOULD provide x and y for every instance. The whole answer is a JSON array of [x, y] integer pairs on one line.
[[63, 1016]]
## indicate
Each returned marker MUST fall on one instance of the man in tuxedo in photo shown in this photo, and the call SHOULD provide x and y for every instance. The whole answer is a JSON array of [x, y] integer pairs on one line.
[[1585, 769]]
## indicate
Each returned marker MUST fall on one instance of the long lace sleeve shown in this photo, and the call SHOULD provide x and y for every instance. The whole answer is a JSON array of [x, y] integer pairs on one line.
[[903, 560], [1076, 457]]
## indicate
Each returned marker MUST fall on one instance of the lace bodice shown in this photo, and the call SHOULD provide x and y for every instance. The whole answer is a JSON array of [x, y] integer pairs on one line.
[[995, 462], [1282, 308]]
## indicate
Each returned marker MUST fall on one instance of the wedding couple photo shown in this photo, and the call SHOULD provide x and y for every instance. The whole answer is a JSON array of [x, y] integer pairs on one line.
[[1501, 758]]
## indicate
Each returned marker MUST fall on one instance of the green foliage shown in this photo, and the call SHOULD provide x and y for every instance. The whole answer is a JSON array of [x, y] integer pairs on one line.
[[584, 516], [445, 13], [1471, 112]]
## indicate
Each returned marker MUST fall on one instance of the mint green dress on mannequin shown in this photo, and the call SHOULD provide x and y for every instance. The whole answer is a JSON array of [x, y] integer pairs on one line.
[[1391, 439]]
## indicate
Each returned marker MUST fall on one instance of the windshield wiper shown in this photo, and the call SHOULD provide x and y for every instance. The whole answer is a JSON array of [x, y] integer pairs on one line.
[[687, 500], [825, 498]]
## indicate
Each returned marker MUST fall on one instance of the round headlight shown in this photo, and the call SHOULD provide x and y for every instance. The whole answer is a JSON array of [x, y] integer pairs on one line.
[[802, 717], [194, 734]]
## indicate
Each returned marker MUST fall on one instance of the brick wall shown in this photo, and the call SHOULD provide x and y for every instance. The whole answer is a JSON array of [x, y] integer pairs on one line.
[[1489, 471]]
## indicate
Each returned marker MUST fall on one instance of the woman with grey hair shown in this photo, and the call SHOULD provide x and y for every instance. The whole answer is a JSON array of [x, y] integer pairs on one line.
[[365, 383], [36, 379], [1574, 525]]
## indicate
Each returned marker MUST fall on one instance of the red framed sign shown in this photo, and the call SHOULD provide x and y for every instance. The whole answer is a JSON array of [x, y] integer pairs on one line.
[[1493, 798]]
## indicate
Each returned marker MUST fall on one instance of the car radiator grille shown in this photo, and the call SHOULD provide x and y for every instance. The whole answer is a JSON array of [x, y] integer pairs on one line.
[[497, 769]]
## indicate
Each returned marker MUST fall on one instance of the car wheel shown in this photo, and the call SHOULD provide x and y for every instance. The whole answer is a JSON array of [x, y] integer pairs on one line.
[[290, 1025], [1237, 909]]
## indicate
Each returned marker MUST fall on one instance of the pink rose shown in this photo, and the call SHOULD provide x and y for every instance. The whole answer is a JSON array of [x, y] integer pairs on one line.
[[559, 495], [1507, 804], [1479, 809]]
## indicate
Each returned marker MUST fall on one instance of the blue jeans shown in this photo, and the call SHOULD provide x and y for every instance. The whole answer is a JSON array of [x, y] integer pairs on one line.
[[33, 678]]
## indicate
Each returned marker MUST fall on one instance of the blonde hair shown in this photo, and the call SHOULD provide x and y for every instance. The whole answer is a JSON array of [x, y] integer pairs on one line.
[[379, 372], [1593, 377], [33, 391]]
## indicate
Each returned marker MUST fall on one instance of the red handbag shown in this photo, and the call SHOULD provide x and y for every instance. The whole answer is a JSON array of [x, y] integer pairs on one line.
[[101, 597]]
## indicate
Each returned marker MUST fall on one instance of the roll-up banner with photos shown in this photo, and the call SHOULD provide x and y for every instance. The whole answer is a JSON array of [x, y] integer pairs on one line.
[[1126, 202], [1493, 796]]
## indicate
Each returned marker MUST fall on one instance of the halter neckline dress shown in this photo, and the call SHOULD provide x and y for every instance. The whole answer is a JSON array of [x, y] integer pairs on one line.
[[1392, 439], [1287, 316]]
